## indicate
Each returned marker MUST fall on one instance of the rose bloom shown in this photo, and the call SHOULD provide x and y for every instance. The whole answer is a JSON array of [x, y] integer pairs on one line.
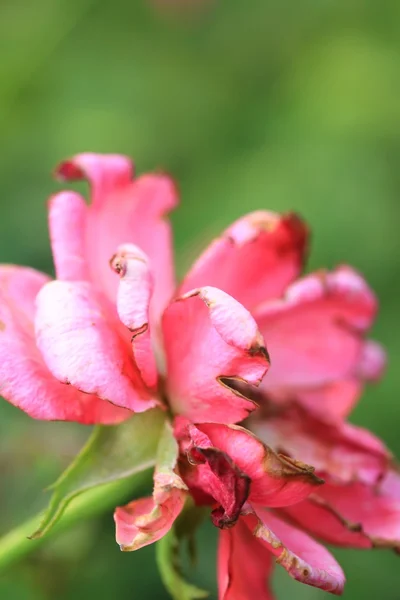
[[113, 335]]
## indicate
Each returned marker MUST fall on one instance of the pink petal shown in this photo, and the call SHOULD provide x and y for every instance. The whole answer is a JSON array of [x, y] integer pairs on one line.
[[133, 300], [122, 212], [321, 520], [217, 476], [254, 260], [68, 216], [25, 380], [80, 346], [303, 558], [276, 480], [228, 464], [145, 521], [377, 512], [373, 361], [211, 339], [315, 336], [338, 451], [390, 484], [244, 566], [333, 401]]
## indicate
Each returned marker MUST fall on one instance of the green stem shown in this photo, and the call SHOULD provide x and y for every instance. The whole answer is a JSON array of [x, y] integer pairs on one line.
[[15, 545]]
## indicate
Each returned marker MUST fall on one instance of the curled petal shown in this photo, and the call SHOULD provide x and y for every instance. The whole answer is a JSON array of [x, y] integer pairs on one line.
[[244, 565], [106, 172], [230, 465], [276, 480], [123, 211], [133, 300], [80, 346], [145, 521], [25, 381], [211, 339], [255, 259], [217, 475], [303, 558], [338, 451], [315, 335]]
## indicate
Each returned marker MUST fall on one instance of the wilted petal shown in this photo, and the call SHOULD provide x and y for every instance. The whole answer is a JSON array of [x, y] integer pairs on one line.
[[123, 212], [276, 480], [133, 300], [244, 566], [145, 521], [321, 520], [377, 512], [25, 381], [228, 464], [211, 339], [80, 346], [338, 451], [254, 260], [303, 558], [315, 335]]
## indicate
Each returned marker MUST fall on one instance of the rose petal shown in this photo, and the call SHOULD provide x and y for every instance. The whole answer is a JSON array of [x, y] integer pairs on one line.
[[315, 336], [68, 216], [133, 300], [255, 259], [320, 519], [217, 476], [209, 339], [375, 510], [80, 346], [145, 521], [244, 566], [122, 212], [373, 361], [338, 451], [276, 480], [303, 558], [228, 464], [25, 380]]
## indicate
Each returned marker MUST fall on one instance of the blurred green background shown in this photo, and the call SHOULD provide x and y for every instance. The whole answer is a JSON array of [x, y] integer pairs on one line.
[[249, 104]]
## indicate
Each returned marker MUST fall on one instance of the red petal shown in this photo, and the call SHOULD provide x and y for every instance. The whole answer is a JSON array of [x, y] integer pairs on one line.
[[320, 519], [244, 566], [228, 462], [303, 558], [255, 259], [315, 336], [338, 451], [211, 339], [375, 510]]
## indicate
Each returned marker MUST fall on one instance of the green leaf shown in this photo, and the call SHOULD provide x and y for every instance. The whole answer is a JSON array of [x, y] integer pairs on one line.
[[168, 560], [15, 545], [113, 453], [167, 450]]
